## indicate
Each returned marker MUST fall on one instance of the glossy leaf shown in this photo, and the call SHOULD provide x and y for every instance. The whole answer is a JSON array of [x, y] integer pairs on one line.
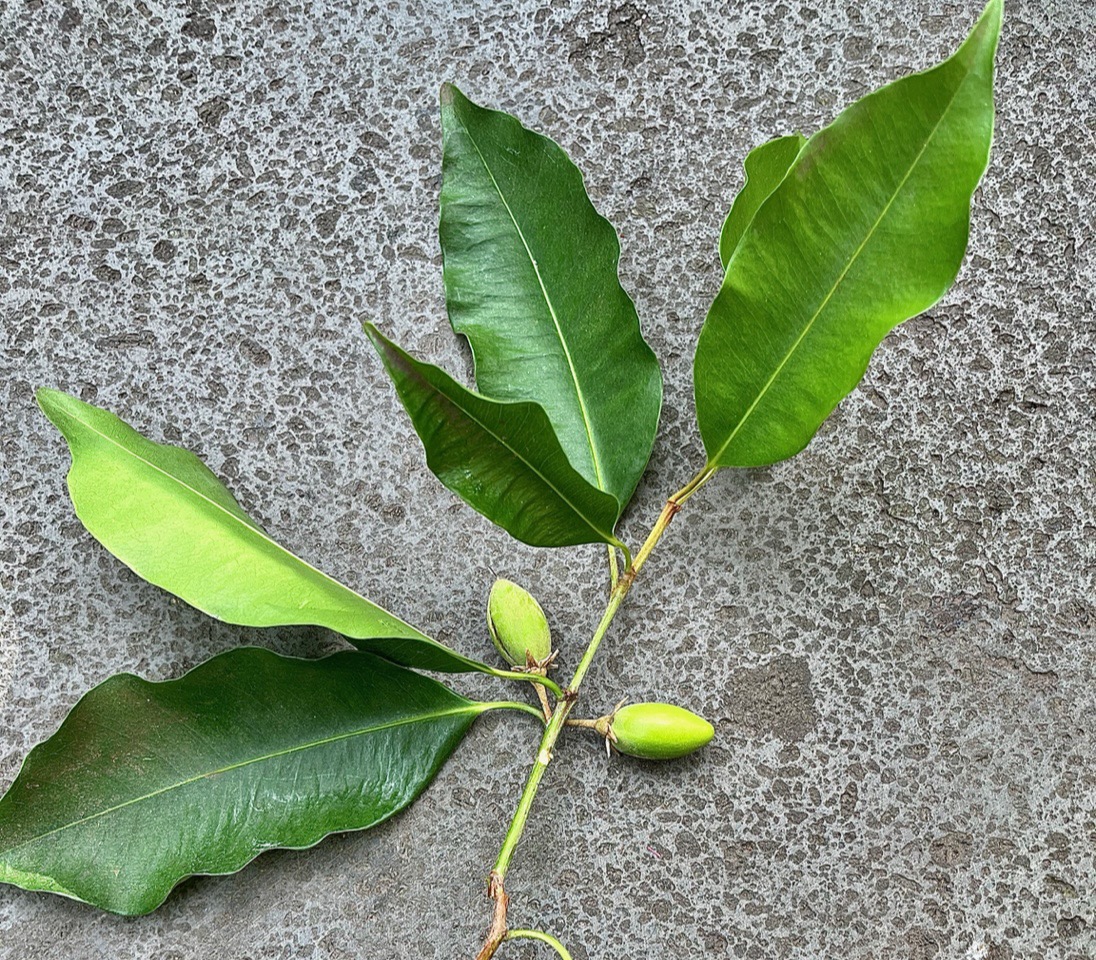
[[161, 511], [147, 783], [765, 167], [867, 229], [502, 458], [531, 281]]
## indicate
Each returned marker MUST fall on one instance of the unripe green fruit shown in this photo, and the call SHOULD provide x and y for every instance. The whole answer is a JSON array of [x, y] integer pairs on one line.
[[518, 626], [656, 731]]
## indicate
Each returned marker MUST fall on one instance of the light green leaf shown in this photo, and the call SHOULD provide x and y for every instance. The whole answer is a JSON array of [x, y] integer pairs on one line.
[[147, 783], [502, 458], [765, 167], [160, 511], [531, 281], [867, 229]]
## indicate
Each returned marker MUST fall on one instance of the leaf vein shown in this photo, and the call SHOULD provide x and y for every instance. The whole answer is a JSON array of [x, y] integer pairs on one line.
[[249, 528], [609, 537], [837, 283], [584, 412], [364, 731]]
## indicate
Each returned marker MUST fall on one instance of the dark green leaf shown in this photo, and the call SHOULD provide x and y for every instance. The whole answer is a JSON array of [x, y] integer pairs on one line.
[[765, 167], [147, 783], [531, 281], [867, 229], [165, 515], [501, 457]]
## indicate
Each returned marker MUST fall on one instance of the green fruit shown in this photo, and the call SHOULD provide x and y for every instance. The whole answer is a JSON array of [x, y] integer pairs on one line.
[[657, 731], [518, 626]]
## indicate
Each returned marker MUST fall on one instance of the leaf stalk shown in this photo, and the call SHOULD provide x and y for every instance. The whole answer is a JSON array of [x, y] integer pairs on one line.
[[543, 938], [530, 677], [514, 705]]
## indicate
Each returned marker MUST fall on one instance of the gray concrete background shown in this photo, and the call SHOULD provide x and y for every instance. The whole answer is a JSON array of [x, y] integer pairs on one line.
[[893, 633]]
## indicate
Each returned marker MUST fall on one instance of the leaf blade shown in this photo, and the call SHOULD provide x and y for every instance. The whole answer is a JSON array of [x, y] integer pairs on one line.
[[165, 515], [502, 458], [201, 774], [765, 166], [797, 318], [542, 306]]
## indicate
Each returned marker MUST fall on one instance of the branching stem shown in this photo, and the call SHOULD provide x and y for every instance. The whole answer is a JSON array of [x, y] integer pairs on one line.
[[555, 726]]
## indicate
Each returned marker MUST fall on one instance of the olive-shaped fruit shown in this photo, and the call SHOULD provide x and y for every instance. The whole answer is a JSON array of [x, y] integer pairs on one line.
[[656, 731], [518, 626]]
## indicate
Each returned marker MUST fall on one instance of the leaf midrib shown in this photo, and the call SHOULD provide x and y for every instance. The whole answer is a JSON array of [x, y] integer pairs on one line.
[[455, 400], [474, 708], [837, 283], [253, 530], [551, 310]]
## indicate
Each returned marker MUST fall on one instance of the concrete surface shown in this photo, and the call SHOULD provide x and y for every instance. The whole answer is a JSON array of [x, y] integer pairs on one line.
[[893, 633]]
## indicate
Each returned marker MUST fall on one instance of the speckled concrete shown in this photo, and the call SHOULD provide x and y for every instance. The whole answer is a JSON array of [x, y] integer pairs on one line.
[[894, 633]]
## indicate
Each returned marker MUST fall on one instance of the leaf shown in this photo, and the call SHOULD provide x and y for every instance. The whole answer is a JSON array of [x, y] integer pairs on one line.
[[160, 511], [531, 281], [502, 458], [867, 229], [765, 167], [147, 783]]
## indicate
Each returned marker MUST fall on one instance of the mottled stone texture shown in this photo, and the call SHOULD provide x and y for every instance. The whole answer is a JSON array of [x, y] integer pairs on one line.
[[199, 204]]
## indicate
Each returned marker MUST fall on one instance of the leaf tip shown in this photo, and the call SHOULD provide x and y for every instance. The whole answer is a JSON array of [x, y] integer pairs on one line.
[[448, 94], [378, 339], [990, 21], [52, 402], [390, 353]]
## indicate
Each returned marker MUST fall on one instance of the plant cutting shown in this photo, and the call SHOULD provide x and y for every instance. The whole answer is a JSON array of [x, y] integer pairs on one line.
[[833, 241]]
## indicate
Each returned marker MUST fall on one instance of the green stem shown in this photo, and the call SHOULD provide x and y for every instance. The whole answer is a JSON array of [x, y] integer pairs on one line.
[[614, 574], [552, 732], [551, 735], [673, 505], [559, 718], [616, 598], [513, 705], [542, 937]]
